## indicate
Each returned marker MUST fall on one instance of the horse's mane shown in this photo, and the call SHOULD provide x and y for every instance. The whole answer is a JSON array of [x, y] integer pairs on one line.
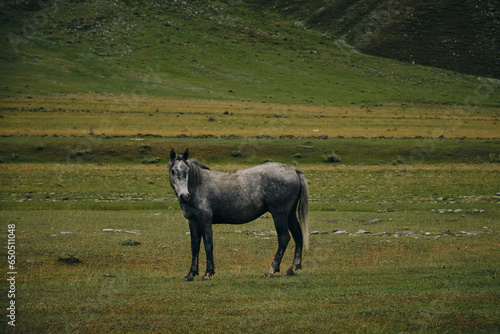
[[198, 164], [194, 173]]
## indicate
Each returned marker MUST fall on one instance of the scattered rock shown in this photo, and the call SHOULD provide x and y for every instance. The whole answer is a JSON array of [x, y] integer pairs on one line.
[[459, 211], [116, 230]]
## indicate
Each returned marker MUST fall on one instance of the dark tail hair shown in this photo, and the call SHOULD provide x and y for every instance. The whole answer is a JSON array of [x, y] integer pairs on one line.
[[304, 210]]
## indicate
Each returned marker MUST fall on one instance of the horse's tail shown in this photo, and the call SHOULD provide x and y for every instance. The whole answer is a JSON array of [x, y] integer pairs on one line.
[[304, 209]]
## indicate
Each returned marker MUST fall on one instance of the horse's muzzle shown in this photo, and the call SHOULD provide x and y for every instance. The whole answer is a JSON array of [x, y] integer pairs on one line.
[[184, 198]]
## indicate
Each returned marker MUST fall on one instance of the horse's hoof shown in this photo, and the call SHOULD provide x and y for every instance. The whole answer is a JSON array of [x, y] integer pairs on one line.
[[293, 270], [268, 275], [188, 278], [205, 277]]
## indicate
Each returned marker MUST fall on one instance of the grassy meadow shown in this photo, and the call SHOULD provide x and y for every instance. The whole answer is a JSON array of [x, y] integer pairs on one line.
[[402, 162], [361, 283], [404, 230]]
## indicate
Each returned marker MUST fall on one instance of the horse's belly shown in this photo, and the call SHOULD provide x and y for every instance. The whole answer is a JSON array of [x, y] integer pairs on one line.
[[234, 214]]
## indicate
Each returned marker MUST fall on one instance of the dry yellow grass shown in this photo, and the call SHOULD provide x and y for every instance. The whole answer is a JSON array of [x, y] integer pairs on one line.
[[123, 115]]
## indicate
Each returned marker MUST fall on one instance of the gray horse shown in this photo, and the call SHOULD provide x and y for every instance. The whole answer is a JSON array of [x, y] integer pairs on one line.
[[208, 197]]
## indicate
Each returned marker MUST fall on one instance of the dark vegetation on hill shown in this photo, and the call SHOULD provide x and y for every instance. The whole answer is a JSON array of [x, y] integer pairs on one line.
[[459, 35]]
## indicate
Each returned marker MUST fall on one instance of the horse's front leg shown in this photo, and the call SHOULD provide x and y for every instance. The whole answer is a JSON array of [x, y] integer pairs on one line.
[[195, 250], [209, 250]]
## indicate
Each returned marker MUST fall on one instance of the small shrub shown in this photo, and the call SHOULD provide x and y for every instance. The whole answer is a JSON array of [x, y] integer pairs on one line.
[[236, 154], [80, 153], [494, 158], [130, 242], [398, 161], [332, 158], [69, 260], [149, 161], [298, 155]]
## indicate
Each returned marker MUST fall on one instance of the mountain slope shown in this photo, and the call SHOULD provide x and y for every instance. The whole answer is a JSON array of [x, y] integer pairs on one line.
[[460, 35], [217, 49]]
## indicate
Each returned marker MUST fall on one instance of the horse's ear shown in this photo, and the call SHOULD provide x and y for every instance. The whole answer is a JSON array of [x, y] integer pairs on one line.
[[185, 156], [173, 155]]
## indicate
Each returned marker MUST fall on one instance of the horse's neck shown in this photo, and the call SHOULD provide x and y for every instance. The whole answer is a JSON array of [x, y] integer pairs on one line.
[[197, 174]]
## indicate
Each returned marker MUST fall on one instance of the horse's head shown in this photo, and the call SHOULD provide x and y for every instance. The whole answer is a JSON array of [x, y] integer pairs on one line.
[[179, 173]]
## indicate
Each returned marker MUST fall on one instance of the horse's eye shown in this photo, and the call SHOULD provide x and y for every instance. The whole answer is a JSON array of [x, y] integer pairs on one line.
[[173, 172]]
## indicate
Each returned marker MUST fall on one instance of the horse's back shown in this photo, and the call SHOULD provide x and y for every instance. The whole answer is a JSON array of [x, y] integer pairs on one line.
[[244, 195], [275, 177]]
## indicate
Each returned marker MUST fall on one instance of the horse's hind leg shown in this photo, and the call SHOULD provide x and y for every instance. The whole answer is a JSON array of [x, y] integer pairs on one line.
[[294, 227], [281, 224]]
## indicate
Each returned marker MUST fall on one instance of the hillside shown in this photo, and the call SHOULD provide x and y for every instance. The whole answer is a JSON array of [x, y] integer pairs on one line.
[[459, 35], [231, 50]]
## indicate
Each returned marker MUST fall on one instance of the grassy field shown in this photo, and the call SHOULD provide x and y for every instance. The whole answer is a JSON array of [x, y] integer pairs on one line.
[[103, 128], [114, 115], [404, 228], [428, 264], [416, 272]]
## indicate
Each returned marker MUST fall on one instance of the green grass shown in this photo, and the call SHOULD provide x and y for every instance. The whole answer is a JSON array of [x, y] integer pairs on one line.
[[89, 115], [332, 188], [418, 270], [101, 128], [365, 283], [386, 151]]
